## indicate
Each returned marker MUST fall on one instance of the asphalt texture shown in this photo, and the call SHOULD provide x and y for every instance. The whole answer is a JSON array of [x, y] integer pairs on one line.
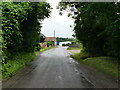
[[55, 68]]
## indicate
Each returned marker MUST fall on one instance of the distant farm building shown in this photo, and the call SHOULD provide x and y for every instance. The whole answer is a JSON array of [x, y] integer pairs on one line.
[[42, 38], [51, 39]]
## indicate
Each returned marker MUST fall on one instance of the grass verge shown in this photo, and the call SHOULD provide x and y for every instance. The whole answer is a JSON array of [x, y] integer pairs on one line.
[[16, 64], [107, 65], [19, 62], [73, 48], [44, 49]]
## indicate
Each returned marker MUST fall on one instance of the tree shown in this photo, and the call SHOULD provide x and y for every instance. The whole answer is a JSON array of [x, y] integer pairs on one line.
[[21, 26], [96, 26]]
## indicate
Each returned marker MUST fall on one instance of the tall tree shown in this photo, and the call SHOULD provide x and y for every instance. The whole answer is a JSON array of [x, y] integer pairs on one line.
[[96, 26], [21, 26]]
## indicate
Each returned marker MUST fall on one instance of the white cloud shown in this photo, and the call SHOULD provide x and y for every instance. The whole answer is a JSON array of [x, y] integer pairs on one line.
[[61, 24]]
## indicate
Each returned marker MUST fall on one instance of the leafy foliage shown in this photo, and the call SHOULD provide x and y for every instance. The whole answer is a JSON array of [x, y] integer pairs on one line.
[[60, 39], [12, 66], [97, 26], [21, 26], [37, 47], [49, 43]]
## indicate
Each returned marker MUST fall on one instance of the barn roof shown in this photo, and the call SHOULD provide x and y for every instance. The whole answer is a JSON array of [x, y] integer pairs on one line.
[[41, 34], [50, 39]]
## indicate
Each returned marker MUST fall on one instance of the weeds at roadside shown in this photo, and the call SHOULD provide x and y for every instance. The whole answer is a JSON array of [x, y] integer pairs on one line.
[[107, 65]]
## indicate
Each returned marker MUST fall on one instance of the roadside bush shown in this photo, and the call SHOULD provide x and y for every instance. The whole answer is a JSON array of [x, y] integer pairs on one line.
[[19, 61], [66, 44], [49, 43], [63, 44], [37, 47], [21, 27], [96, 26], [20, 33]]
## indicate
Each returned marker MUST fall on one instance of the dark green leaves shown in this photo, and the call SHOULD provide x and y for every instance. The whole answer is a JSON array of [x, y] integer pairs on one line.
[[20, 26], [97, 26]]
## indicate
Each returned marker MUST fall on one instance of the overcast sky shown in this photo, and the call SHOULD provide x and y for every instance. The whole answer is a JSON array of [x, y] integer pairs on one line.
[[61, 24]]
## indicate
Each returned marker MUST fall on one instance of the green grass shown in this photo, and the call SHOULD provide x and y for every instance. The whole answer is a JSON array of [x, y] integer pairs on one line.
[[44, 49], [16, 64], [19, 62], [73, 48], [107, 65]]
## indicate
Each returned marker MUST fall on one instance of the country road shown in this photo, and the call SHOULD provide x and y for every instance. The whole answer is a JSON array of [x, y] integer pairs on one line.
[[55, 69]]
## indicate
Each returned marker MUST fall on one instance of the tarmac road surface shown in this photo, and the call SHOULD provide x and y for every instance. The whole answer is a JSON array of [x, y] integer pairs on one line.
[[53, 68]]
